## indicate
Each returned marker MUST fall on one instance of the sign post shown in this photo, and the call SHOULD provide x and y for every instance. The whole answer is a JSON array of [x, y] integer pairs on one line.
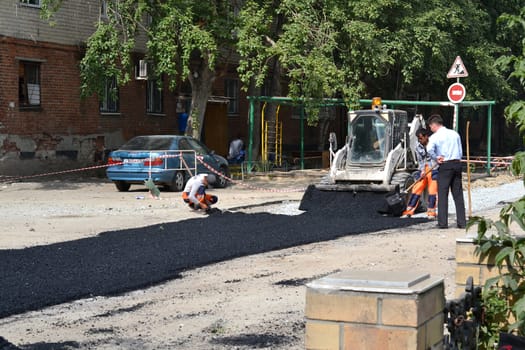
[[456, 92]]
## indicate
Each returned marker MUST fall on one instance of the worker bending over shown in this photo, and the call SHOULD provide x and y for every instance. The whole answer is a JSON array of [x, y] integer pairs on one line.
[[426, 179], [195, 193]]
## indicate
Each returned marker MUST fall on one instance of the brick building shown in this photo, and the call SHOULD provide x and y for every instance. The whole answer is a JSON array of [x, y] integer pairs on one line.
[[45, 125]]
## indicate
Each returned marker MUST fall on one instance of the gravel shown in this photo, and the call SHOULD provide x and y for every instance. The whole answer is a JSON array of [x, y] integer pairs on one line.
[[489, 197]]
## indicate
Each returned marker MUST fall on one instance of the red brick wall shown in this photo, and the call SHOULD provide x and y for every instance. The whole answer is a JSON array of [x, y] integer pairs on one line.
[[64, 118], [62, 111]]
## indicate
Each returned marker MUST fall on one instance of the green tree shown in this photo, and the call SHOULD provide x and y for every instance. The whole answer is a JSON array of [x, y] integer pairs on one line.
[[352, 49], [185, 40], [504, 295]]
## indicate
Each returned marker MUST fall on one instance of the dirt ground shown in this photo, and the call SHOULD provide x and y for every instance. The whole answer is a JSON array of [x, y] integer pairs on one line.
[[246, 303]]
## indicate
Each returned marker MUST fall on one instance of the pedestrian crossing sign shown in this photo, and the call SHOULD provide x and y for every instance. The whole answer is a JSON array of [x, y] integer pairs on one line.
[[458, 69]]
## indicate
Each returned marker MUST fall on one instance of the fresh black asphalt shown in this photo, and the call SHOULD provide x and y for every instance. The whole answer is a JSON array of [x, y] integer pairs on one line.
[[120, 261]]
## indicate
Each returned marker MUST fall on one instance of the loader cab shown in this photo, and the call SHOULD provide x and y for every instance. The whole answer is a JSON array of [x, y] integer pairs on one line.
[[369, 137]]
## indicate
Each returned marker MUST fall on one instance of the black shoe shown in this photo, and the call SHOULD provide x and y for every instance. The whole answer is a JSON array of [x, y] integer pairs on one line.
[[462, 226], [441, 226]]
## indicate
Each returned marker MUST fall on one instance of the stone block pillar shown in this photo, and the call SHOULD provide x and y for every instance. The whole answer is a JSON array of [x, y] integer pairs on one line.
[[469, 263], [375, 310]]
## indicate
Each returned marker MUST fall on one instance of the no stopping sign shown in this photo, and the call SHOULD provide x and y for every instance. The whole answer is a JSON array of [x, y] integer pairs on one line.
[[456, 93]]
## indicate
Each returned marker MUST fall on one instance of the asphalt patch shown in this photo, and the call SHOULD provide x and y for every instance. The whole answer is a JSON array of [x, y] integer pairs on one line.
[[256, 341], [120, 261]]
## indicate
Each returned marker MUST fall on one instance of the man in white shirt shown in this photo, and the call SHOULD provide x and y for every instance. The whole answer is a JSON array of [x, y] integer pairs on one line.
[[444, 146], [195, 195]]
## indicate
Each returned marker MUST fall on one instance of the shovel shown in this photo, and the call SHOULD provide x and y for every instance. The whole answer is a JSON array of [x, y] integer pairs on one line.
[[396, 202]]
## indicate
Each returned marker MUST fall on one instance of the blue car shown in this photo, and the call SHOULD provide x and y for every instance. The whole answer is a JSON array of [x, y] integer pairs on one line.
[[168, 160]]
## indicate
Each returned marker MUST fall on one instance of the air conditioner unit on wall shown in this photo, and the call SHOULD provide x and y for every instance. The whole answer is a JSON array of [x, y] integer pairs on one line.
[[141, 70]]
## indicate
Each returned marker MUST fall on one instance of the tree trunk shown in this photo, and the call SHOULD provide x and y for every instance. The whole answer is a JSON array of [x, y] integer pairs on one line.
[[275, 90], [201, 81]]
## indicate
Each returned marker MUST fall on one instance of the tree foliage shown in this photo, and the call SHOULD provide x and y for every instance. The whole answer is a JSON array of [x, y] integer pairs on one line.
[[324, 48], [352, 49], [504, 295], [184, 38]]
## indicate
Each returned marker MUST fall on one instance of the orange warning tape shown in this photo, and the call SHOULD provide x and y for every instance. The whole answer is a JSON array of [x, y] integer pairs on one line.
[[8, 179], [286, 190]]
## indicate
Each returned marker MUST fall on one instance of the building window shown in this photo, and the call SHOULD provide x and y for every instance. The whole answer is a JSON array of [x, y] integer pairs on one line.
[[103, 9], [109, 99], [28, 84], [266, 88], [32, 3], [231, 90], [154, 97]]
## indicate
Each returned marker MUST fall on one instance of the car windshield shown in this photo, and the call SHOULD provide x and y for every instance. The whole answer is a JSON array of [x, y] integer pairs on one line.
[[198, 147], [148, 143], [368, 139]]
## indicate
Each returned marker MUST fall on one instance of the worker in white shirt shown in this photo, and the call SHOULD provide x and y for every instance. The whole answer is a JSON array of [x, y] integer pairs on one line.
[[195, 193], [444, 146]]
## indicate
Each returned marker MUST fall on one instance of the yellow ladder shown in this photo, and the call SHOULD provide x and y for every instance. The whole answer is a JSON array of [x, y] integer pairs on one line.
[[272, 137]]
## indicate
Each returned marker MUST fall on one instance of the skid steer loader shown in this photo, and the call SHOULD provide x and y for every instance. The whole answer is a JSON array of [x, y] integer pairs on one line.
[[379, 154]]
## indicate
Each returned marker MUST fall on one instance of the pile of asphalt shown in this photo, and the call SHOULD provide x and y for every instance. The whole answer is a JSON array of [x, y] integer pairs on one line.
[[119, 261]]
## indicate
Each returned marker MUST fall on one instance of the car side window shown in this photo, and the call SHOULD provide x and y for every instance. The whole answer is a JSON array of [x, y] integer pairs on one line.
[[184, 145], [197, 147]]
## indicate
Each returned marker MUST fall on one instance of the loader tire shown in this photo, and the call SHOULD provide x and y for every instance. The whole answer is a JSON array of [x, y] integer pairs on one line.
[[404, 180]]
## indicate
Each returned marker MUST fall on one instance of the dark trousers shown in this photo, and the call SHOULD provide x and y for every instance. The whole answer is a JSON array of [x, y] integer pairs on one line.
[[449, 178]]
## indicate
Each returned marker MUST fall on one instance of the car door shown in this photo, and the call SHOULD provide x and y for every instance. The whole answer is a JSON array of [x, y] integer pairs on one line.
[[188, 155]]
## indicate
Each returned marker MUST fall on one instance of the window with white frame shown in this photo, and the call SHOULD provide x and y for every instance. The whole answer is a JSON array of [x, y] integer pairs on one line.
[[154, 97], [32, 3], [28, 84], [231, 90], [109, 100]]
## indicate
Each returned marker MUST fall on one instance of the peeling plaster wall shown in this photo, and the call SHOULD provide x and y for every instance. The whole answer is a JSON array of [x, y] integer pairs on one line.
[[23, 155]]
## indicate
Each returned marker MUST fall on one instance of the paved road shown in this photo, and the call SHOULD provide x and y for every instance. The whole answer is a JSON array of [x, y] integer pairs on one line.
[[119, 261]]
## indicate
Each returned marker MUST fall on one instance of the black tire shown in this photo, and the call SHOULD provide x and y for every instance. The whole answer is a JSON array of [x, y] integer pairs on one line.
[[404, 180], [220, 181], [122, 186], [179, 180]]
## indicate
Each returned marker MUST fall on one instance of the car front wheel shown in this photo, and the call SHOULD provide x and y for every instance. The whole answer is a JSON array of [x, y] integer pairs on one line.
[[221, 181], [122, 186], [178, 182]]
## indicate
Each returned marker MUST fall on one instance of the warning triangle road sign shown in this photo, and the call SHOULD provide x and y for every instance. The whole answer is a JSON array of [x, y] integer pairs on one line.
[[458, 69]]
